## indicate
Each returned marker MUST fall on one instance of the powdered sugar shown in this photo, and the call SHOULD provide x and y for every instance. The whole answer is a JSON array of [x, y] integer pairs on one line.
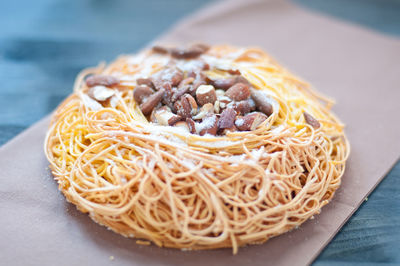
[[258, 153], [239, 122], [90, 103], [207, 123], [189, 65], [216, 144], [189, 164], [278, 129], [147, 64]]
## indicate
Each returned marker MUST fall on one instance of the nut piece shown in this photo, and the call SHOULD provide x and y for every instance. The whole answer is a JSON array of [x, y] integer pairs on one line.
[[224, 84], [186, 107], [250, 121], [179, 92], [234, 71], [199, 79], [100, 93], [192, 103], [203, 46], [190, 52], [180, 53], [238, 92], [183, 125], [104, 80], [227, 118], [224, 102], [186, 82], [220, 93], [228, 130], [165, 117], [171, 75], [90, 103], [166, 100], [152, 117], [311, 120], [145, 81], [262, 102], [160, 49], [114, 100], [216, 107], [244, 107], [192, 125], [241, 79], [151, 102], [205, 110], [140, 93], [178, 108], [209, 125], [206, 94]]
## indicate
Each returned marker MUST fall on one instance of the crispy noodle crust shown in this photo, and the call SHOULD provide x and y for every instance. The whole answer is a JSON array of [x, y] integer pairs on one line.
[[187, 191]]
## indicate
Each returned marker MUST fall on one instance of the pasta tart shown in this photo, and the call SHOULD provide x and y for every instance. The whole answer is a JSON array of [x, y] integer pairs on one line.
[[196, 147]]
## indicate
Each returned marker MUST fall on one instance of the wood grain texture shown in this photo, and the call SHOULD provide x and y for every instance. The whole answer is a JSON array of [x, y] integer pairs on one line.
[[51, 41]]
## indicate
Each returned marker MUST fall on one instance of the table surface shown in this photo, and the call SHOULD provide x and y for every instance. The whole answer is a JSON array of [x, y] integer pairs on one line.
[[41, 48]]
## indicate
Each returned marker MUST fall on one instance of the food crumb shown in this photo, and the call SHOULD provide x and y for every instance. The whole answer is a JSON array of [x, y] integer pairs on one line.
[[111, 258], [143, 242]]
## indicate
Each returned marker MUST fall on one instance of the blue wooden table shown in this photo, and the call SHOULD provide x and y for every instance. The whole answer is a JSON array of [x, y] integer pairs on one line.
[[45, 43]]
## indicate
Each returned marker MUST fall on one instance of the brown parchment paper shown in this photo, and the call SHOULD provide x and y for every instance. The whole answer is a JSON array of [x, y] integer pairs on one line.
[[359, 68]]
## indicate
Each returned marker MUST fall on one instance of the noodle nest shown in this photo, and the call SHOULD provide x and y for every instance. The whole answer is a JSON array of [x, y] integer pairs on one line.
[[181, 190]]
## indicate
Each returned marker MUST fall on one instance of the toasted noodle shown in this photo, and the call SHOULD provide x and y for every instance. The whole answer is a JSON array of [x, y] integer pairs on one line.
[[182, 190]]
